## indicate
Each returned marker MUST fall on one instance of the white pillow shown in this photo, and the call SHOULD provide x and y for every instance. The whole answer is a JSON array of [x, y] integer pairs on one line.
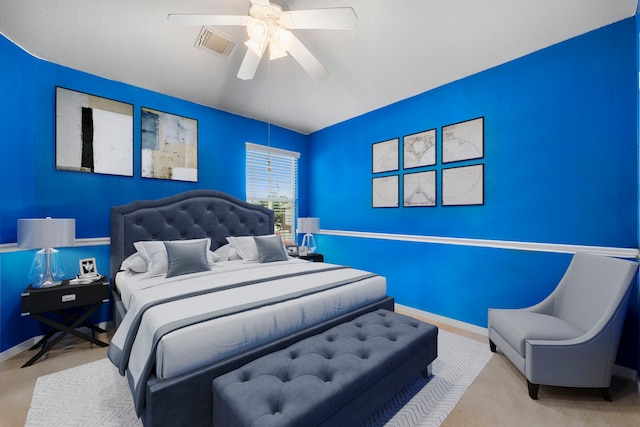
[[226, 253], [155, 254], [134, 263], [245, 246]]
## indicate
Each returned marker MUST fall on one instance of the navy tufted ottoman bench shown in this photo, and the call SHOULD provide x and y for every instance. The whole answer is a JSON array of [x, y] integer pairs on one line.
[[337, 378]]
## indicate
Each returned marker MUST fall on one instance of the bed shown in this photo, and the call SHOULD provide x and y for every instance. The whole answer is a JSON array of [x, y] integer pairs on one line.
[[210, 306]]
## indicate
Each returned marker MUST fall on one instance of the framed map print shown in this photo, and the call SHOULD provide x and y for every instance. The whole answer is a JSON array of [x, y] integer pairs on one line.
[[463, 141], [385, 191], [463, 185], [419, 149], [385, 156], [419, 189]]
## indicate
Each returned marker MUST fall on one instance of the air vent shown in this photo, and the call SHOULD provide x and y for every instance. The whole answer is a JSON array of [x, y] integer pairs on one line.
[[215, 43]]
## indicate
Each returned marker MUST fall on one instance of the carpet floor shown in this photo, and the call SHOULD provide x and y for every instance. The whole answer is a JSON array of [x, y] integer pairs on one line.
[[95, 395]]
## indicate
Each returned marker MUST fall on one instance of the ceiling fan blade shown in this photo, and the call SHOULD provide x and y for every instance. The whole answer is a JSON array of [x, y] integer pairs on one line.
[[181, 19], [306, 59], [339, 18], [249, 65]]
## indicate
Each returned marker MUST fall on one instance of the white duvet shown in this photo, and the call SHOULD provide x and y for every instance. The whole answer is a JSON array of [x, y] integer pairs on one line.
[[284, 306]]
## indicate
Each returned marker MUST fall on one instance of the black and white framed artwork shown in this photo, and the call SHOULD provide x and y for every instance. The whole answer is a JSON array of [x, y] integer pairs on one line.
[[93, 134]]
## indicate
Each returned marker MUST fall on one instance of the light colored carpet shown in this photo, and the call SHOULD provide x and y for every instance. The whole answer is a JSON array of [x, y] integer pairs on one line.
[[95, 395]]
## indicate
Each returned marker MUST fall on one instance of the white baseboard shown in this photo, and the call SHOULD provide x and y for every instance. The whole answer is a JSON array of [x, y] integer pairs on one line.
[[618, 370], [446, 320], [26, 345]]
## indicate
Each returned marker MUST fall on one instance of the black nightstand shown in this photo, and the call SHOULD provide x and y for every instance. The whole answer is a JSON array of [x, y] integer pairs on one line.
[[316, 257], [50, 306]]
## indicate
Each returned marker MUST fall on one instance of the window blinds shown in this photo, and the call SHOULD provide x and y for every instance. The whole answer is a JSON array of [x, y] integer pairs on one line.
[[272, 181]]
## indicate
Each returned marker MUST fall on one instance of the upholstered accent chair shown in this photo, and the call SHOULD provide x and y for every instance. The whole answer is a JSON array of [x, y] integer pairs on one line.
[[571, 338]]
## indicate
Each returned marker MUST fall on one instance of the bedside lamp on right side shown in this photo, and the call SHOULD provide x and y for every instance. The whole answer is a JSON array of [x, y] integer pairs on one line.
[[308, 226]]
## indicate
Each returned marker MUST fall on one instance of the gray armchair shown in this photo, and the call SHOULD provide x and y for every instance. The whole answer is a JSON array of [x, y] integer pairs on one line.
[[571, 338]]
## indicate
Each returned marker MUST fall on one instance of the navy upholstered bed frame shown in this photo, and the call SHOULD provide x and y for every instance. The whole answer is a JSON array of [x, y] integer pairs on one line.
[[186, 400], [191, 215]]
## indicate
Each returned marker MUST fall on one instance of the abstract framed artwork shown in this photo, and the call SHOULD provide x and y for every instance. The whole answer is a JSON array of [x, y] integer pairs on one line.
[[384, 191], [463, 185], [385, 156], [93, 134], [419, 149], [169, 146], [419, 189], [463, 141]]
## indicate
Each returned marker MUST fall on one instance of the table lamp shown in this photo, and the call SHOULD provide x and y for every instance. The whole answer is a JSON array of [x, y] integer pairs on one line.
[[308, 226], [46, 233]]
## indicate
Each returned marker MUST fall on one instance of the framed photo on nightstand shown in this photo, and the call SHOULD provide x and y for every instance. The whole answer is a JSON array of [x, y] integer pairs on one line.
[[292, 250], [88, 268]]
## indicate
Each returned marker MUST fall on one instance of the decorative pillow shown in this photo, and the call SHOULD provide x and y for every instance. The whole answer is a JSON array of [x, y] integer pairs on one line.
[[155, 254], [226, 253], [134, 263], [245, 246], [270, 248], [186, 257], [212, 257]]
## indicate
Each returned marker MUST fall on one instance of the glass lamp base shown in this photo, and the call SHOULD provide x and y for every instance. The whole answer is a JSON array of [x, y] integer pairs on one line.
[[310, 242]]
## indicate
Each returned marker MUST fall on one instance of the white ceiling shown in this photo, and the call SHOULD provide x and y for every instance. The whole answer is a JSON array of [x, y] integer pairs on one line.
[[401, 48]]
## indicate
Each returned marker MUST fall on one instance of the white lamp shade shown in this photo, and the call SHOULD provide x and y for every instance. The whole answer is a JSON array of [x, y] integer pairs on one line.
[[308, 225], [46, 232]]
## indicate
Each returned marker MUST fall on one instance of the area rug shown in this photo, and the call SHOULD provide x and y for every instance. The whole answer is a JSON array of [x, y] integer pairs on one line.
[[95, 395]]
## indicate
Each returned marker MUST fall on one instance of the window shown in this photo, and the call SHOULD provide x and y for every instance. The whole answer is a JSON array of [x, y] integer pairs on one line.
[[272, 182]]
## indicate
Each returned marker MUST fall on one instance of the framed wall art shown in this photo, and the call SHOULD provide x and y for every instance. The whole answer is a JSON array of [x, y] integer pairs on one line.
[[169, 146], [385, 156], [463, 141], [419, 189], [384, 191], [463, 185], [93, 134], [419, 149]]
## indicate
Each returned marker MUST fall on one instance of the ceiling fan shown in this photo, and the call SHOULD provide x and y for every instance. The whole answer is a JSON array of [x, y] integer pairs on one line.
[[268, 25]]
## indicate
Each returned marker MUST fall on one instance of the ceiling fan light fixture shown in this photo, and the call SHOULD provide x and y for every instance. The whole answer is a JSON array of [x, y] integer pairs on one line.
[[283, 39], [258, 30], [268, 24], [275, 52]]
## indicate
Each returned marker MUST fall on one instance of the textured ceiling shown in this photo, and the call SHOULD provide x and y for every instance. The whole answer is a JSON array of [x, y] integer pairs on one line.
[[400, 49]]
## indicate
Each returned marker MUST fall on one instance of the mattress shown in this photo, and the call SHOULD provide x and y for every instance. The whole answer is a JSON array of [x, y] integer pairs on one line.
[[287, 296]]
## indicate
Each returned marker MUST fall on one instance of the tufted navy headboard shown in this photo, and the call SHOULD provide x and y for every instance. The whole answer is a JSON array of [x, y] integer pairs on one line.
[[190, 215]]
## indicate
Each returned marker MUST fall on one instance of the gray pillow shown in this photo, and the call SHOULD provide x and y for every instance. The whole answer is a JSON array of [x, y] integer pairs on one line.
[[187, 257], [270, 248]]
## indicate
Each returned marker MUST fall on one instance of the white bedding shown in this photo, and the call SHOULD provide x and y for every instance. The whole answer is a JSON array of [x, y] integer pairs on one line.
[[206, 342]]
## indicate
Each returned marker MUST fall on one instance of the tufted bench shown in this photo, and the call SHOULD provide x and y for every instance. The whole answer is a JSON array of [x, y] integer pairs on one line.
[[336, 378]]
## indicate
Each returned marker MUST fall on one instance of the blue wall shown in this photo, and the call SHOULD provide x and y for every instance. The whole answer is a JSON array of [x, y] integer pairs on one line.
[[561, 167]]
